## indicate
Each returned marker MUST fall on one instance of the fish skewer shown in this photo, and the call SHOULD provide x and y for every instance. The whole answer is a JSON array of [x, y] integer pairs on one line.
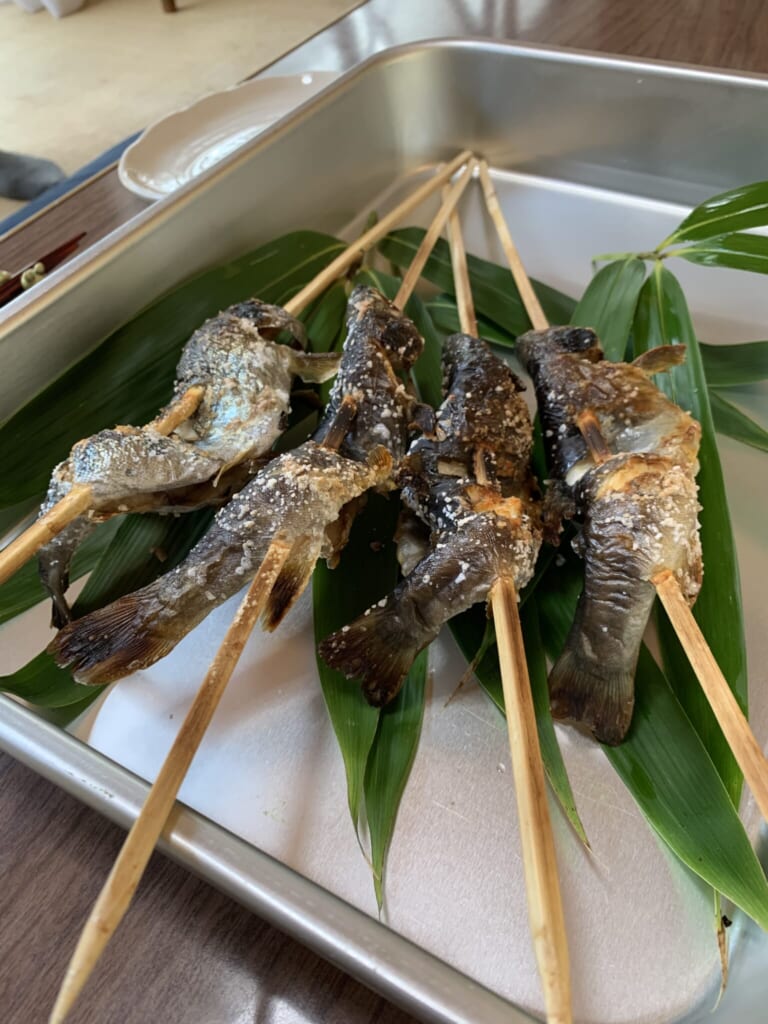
[[483, 546], [680, 434], [126, 874], [15, 554]]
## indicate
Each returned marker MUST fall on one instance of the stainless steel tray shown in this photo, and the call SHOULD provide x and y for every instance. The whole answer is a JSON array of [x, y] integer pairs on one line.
[[590, 154]]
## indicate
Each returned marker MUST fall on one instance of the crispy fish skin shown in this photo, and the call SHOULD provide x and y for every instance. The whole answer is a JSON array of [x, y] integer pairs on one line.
[[298, 495], [638, 505], [478, 532], [381, 342], [247, 380], [380, 646]]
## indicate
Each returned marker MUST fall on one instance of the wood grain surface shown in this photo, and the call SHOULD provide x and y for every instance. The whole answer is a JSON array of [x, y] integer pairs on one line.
[[185, 953]]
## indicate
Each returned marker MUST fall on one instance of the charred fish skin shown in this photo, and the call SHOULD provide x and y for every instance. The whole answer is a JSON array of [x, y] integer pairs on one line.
[[296, 496], [638, 503], [381, 342], [478, 532], [380, 646], [483, 411]]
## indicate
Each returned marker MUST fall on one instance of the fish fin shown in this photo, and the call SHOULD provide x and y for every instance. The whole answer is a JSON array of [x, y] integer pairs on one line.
[[315, 367], [291, 582], [594, 695], [659, 359], [375, 650], [112, 642]]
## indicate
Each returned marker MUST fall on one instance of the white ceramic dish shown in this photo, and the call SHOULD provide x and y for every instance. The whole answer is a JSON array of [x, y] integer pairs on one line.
[[175, 149]]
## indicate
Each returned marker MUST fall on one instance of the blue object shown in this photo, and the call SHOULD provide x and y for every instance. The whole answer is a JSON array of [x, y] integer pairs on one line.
[[109, 156]]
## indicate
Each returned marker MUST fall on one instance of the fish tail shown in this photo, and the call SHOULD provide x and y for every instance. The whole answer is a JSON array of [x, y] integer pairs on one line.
[[592, 693], [115, 640], [291, 582], [375, 649]]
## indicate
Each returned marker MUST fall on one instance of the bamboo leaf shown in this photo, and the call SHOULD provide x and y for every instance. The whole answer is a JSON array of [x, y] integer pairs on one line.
[[728, 366], [734, 423], [738, 251], [735, 210], [608, 305], [389, 765], [663, 319], [493, 288], [666, 768], [367, 571], [445, 316], [470, 632], [130, 375], [24, 590]]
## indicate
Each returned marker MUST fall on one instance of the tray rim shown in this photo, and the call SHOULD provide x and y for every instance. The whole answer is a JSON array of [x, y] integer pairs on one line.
[[329, 925]]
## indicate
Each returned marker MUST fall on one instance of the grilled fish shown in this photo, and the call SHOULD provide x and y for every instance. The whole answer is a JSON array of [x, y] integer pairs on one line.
[[478, 532], [624, 459], [247, 379], [299, 495], [381, 343]]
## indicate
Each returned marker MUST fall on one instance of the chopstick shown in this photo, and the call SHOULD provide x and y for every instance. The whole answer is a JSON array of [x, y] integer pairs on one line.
[[13, 286]]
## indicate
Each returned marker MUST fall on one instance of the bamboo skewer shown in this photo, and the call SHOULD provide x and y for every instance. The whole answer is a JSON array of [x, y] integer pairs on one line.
[[447, 209], [115, 897], [344, 261], [77, 501], [729, 715], [527, 294], [126, 873], [545, 905], [80, 498]]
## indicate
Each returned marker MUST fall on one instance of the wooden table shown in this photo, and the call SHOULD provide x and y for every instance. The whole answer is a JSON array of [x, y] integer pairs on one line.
[[185, 953]]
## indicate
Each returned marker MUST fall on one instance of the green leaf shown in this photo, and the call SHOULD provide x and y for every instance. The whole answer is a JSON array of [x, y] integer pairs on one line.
[[445, 316], [728, 366], [735, 210], [608, 305], [139, 551], [738, 251], [389, 765], [367, 571], [24, 590], [130, 375], [734, 423], [493, 289], [666, 768], [663, 319], [470, 631]]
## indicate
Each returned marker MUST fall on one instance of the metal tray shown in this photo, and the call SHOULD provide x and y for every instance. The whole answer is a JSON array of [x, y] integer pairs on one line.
[[590, 154]]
